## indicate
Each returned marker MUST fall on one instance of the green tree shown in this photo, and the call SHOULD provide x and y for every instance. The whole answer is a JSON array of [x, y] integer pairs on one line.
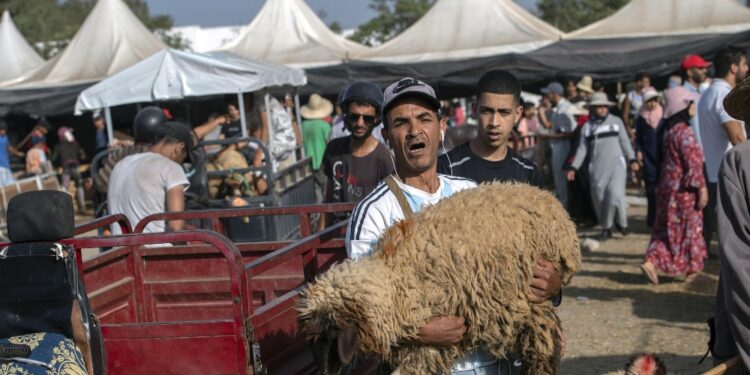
[[393, 17], [569, 15], [48, 25], [335, 27]]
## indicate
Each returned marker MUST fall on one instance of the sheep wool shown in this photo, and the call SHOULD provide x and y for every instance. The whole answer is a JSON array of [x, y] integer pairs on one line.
[[470, 255]]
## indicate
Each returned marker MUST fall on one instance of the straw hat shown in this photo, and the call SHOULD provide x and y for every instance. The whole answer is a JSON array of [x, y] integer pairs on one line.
[[586, 84], [737, 103], [317, 107], [599, 99], [579, 109]]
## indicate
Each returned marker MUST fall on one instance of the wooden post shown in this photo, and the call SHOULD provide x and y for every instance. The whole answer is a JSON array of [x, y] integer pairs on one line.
[[723, 367]]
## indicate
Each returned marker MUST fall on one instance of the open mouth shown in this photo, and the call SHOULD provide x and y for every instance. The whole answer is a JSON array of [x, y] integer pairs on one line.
[[417, 147]]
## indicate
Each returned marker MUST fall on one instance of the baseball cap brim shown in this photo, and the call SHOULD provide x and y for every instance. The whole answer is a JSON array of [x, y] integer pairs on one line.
[[431, 100]]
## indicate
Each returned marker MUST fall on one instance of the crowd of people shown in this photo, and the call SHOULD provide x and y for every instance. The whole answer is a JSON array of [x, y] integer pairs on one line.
[[386, 151]]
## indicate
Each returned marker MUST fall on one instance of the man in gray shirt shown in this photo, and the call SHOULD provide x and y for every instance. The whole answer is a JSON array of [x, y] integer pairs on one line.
[[561, 125]]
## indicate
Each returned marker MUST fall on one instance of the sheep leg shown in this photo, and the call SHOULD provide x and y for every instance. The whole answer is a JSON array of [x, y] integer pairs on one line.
[[540, 341]]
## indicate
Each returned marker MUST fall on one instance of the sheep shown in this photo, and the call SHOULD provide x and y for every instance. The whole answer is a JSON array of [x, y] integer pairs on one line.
[[470, 255]]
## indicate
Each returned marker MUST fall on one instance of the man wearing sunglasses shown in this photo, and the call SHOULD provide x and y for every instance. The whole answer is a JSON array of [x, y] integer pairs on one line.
[[354, 164]]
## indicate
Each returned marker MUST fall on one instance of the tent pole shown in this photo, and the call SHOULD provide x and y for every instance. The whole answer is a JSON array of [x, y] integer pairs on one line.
[[269, 118], [243, 120], [110, 130], [299, 121]]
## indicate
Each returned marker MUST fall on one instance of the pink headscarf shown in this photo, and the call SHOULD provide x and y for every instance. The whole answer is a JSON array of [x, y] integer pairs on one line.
[[652, 117], [677, 99]]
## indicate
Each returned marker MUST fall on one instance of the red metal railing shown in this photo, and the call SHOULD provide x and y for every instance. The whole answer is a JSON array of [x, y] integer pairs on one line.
[[105, 222], [306, 248], [134, 244], [216, 215]]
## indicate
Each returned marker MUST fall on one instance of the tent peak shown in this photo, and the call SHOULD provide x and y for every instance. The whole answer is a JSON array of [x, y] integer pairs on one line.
[[110, 39], [669, 17], [289, 32], [472, 28], [16, 56]]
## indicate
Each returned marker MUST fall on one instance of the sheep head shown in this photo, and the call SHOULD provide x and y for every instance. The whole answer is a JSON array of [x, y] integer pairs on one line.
[[338, 311]]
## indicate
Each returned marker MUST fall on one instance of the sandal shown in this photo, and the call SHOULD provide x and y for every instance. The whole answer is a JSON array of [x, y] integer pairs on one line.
[[691, 277], [650, 272]]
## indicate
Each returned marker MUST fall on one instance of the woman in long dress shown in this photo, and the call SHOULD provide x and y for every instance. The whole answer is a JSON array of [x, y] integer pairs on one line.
[[677, 246]]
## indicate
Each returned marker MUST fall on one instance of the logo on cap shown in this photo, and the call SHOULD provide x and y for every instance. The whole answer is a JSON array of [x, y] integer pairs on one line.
[[405, 83]]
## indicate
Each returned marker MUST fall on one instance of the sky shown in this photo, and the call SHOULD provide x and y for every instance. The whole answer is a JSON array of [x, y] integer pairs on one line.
[[207, 13]]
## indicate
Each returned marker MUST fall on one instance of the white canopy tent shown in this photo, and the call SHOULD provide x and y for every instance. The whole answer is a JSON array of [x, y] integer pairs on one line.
[[174, 75], [289, 32], [110, 39], [641, 18], [16, 55], [455, 30]]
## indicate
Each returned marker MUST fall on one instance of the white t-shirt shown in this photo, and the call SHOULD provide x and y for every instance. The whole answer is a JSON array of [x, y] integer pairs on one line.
[[713, 136], [636, 102], [138, 187], [379, 210]]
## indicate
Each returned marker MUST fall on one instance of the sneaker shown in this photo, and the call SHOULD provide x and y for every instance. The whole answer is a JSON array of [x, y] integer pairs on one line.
[[605, 235], [623, 230]]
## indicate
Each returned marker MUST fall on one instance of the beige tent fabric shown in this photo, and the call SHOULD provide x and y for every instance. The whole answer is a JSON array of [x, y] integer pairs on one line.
[[110, 40], [669, 17], [16, 55], [289, 32], [461, 29]]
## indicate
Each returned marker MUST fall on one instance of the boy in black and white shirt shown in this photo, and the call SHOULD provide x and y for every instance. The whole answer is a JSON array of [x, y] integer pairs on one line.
[[487, 157]]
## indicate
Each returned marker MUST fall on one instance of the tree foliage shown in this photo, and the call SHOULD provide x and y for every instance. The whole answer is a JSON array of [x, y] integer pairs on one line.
[[48, 25], [569, 15], [334, 26], [393, 17]]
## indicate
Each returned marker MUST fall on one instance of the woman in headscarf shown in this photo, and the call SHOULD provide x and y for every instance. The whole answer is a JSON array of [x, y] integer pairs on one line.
[[677, 247], [646, 146]]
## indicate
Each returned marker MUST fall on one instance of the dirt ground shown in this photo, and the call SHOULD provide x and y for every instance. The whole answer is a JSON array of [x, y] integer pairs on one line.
[[609, 312]]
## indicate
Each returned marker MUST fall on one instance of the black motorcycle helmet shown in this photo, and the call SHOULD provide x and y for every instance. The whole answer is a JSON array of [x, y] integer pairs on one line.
[[146, 122], [361, 91]]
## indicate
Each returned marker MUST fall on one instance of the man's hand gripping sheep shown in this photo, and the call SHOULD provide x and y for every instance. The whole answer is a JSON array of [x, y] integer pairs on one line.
[[470, 256]]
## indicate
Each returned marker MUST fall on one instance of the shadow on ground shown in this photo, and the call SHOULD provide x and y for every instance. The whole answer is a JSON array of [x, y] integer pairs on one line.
[[667, 306], [676, 364]]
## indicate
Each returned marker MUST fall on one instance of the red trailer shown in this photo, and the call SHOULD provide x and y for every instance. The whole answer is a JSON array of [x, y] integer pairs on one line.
[[206, 305]]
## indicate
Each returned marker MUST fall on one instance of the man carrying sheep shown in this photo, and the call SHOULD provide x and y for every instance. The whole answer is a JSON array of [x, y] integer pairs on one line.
[[413, 131]]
